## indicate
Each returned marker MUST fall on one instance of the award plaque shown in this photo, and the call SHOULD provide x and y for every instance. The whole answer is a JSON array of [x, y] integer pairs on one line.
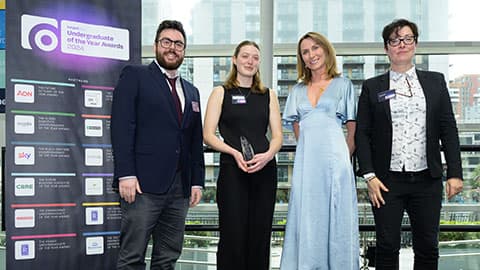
[[247, 149]]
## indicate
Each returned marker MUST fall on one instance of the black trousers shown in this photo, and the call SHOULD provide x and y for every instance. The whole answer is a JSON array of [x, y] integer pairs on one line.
[[246, 203], [161, 216], [421, 196]]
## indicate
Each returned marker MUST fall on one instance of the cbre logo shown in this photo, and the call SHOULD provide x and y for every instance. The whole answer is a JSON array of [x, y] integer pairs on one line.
[[24, 186]]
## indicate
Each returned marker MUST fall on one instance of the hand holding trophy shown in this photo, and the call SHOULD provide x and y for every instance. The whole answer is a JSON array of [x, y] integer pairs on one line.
[[247, 149]]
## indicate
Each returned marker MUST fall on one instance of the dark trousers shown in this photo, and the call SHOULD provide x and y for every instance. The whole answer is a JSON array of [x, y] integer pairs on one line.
[[161, 216], [421, 197], [246, 204]]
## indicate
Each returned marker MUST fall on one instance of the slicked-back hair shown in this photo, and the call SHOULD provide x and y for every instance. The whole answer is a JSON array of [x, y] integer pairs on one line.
[[171, 24], [395, 26]]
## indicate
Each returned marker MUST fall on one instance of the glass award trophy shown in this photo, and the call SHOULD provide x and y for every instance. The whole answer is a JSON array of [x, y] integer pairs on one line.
[[247, 149]]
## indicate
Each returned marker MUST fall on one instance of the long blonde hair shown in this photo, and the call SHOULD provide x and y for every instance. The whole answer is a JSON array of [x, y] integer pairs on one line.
[[305, 74], [231, 82]]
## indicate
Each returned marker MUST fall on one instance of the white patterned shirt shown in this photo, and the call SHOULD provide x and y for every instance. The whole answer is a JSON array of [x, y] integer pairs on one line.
[[408, 111]]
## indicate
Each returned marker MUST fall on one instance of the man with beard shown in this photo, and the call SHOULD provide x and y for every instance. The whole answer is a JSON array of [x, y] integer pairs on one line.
[[158, 148]]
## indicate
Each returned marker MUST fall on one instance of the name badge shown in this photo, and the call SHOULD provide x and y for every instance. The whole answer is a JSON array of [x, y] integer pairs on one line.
[[195, 106], [386, 95], [238, 99]]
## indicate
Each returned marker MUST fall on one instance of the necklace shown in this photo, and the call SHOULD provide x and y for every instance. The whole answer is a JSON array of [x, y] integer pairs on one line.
[[317, 90], [241, 92], [321, 86]]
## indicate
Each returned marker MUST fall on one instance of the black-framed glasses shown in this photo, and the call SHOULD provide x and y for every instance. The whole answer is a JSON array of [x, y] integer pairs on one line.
[[407, 40], [409, 94], [167, 43]]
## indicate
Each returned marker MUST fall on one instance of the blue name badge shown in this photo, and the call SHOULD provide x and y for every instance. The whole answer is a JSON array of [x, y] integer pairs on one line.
[[386, 95], [238, 99]]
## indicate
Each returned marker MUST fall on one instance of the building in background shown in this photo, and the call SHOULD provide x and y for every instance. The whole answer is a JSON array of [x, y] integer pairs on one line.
[[229, 22], [222, 22]]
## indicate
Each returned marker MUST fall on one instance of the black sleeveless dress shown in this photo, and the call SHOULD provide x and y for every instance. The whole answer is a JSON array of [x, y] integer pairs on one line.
[[246, 201], [249, 119]]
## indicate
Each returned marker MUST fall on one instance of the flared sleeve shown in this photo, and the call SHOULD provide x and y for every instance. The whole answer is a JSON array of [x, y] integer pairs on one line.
[[290, 112], [347, 105]]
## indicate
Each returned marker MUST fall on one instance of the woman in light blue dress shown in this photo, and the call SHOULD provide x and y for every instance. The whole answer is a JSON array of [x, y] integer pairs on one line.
[[322, 222]]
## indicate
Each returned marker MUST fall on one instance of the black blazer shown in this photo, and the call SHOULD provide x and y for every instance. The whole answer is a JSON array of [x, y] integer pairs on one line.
[[373, 136], [147, 140]]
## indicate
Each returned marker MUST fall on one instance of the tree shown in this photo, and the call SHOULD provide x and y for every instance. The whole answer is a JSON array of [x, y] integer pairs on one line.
[[475, 181]]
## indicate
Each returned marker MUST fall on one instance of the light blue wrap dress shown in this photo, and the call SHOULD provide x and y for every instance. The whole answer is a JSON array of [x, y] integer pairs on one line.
[[322, 222]]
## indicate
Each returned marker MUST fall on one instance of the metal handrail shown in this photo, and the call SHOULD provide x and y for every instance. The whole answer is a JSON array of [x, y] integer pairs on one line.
[[291, 148], [362, 227]]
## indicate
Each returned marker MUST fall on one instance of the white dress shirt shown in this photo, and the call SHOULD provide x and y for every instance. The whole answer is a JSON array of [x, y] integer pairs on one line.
[[408, 111]]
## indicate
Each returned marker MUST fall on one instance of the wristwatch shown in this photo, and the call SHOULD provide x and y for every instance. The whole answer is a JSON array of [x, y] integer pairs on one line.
[[369, 176]]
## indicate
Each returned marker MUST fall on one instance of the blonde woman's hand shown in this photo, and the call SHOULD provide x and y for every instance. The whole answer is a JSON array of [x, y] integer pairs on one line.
[[240, 161], [258, 162]]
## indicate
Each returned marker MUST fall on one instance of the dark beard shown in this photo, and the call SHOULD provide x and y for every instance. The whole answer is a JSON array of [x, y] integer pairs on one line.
[[168, 66]]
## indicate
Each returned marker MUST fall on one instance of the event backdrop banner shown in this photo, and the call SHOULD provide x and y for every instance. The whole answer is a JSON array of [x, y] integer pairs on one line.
[[63, 60]]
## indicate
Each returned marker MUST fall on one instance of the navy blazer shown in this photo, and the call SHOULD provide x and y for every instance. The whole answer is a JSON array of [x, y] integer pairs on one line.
[[147, 139], [373, 136]]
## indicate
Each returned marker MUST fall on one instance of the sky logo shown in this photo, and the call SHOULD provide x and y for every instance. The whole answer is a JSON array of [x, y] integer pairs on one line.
[[24, 187], [24, 93], [25, 250], [24, 155]]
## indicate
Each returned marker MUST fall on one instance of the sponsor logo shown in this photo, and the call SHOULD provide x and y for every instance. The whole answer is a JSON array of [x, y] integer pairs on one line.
[[24, 187], [24, 155], [93, 157], [93, 99], [94, 245], [24, 93], [93, 128], [41, 32], [24, 124], [48, 34], [94, 215], [93, 186], [24, 250], [24, 218]]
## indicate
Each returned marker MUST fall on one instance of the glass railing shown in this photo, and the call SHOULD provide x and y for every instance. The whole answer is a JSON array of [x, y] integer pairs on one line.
[[460, 231], [459, 237]]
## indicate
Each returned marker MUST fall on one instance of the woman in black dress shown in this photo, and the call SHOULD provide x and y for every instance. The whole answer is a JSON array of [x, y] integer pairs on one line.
[[246, 186]]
